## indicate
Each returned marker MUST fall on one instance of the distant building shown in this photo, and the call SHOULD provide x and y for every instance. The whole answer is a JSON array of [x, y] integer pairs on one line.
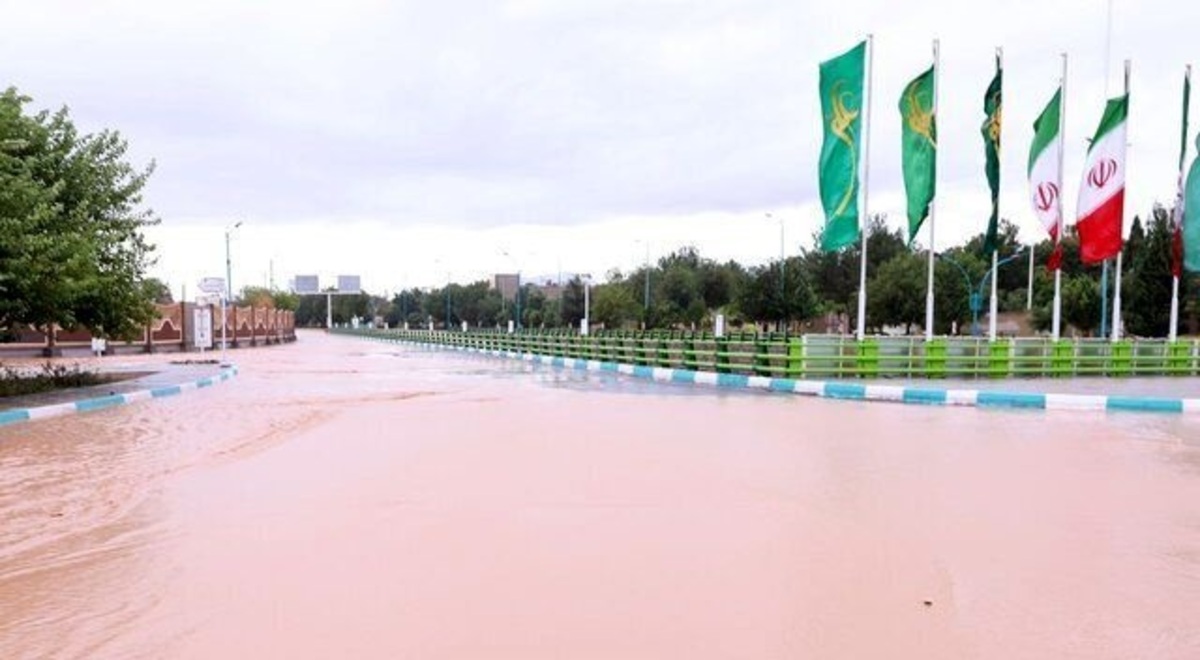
[[551, 290], [506, 284]]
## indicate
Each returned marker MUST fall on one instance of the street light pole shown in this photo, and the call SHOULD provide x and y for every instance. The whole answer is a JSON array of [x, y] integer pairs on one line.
[[646, 299], [996, 269], [227, 299], [587, 311], [783, 315], [972, 302], [229, 260]]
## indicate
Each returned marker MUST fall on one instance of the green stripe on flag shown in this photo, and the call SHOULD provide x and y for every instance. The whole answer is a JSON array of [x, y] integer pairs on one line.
[[1115, 112], [1045, 129]]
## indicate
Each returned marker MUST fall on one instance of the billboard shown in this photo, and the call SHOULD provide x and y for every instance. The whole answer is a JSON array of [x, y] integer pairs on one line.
[[307, 284], [349, 284]]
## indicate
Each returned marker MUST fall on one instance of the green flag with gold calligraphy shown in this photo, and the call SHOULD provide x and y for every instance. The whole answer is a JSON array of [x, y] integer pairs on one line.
[[841, 111], [991, 139], [918, 149]]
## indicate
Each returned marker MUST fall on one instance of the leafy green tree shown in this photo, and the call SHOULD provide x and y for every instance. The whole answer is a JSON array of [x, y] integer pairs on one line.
[[896, 296], [72, 251], [286, 300], [614, 305], [1081, 302], [572, 302], [1146, 285], [406, 308], [157, 291], [761, 298]]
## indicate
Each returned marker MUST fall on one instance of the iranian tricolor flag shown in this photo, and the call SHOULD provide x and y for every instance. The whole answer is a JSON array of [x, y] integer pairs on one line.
[[1045, 182], [1102, 195]]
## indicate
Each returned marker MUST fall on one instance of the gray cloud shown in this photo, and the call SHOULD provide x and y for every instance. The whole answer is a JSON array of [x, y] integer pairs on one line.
[[481, 113]]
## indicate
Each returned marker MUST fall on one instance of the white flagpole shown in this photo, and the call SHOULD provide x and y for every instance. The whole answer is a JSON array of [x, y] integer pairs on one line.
[[1029, 294], [992, 304], [1056, 324], [1116, 313], [1173, 331], [995, 259], [863, 221], [932, 202]]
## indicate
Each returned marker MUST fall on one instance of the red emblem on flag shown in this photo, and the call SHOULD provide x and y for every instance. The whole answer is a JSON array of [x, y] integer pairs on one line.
[[1045, 196], [1102, 172]]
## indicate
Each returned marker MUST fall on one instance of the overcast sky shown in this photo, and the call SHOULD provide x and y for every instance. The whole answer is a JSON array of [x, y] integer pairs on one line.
[[410, 140]]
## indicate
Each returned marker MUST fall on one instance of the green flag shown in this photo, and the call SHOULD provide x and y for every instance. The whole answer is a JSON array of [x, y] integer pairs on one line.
[[1191, 217], [918, 148], [991, 141], [841, 110]]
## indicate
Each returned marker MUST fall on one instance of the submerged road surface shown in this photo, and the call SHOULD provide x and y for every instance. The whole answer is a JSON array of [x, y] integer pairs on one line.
[[345, 499]]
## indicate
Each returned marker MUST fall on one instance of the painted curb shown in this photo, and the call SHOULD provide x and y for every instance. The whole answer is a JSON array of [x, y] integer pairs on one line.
[[16, 415], [851, 391]]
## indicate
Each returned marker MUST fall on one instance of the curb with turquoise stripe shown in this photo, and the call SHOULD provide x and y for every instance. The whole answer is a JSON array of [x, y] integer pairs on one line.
[[17, 415], [853, 391]]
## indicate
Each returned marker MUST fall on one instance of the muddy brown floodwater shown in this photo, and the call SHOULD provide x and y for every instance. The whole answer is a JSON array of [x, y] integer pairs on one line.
[[346, 499]]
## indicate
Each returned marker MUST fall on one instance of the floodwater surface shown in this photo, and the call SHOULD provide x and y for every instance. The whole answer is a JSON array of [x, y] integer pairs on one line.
[[347, 499]]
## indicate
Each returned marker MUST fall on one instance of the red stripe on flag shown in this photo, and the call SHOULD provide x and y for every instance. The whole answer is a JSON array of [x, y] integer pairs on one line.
[[1055, 260], [1100, 231]]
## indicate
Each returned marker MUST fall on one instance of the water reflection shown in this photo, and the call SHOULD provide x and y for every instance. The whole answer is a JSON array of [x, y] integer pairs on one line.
[[342, 499]]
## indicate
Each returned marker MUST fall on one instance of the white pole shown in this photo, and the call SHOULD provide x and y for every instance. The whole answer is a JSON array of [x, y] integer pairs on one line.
[[863, 223], [587, 305], [932, 204], [1173, 333], [1029, 295], [1116, 313], [1056, 330], [222, 329], [992, 305]]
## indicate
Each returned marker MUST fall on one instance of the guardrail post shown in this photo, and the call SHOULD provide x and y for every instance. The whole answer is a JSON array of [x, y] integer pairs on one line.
[[867, 358], [663, 351], [1179, 358], [794, 368], [1121, 358], [1062, 358], [999, 359], [721, 356], [935, 358]]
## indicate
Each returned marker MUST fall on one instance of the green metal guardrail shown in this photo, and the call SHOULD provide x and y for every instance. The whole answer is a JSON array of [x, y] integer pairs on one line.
[[834, 356]]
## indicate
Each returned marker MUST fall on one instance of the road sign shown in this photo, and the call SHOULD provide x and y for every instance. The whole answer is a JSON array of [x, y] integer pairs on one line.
[[202, 328], [214, 285], [349, 284], [307, 284]]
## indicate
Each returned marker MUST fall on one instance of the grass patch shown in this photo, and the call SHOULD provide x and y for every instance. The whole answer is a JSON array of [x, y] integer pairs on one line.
[[48, 378]]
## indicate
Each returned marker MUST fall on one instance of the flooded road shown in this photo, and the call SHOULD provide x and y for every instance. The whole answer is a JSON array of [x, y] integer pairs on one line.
[[347, 499]]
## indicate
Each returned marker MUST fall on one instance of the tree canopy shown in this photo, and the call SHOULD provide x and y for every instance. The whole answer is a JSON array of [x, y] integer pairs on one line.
[[72, 252]]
